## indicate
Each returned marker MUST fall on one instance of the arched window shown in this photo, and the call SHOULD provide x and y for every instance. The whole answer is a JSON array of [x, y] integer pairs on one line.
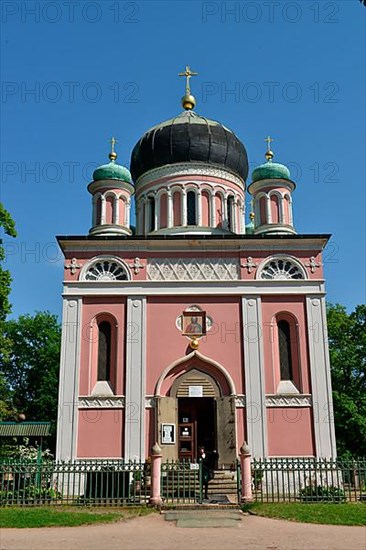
[[98, 216], [281, 267], [262, 211], [104, 351], [230, 213], [219, 209], [206, 214], [163, 211], [275, 209], [285, 352], [105, 269], [177, 209], [191, 208], [151, 202], [109, 210]]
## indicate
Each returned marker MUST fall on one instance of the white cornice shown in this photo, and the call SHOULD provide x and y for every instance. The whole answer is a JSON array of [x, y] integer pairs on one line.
[[184, 288], [258, 185], [251, 245], [94, 186]]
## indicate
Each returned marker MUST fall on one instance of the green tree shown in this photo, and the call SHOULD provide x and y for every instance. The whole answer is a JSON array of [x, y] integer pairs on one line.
[[347, 347], [31, 368], [8, 227]]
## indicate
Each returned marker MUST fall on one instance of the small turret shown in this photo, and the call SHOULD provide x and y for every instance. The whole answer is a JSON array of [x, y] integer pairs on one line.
[[111, 189], [272, 189]]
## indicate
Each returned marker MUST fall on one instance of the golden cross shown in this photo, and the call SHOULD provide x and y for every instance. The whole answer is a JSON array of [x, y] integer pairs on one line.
[[112, 141], [188, 74], [269, 141]]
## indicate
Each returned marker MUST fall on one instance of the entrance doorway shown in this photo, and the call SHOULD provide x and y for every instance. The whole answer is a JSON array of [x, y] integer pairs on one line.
[[200, 414]]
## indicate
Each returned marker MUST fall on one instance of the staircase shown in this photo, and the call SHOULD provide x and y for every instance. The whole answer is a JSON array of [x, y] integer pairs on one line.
[[223, 483], [181, 487]]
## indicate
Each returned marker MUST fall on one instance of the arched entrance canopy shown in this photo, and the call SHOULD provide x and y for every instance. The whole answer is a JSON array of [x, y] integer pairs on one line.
[[195, 360]]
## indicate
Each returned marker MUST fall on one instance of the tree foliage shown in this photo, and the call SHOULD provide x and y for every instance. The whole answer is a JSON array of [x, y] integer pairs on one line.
[[31, 368], [8, 227], [347, 347]]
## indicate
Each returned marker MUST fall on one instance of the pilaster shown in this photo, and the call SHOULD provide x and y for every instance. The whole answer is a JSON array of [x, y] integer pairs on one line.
[[69, 379], [325, 446], [135, 378], [254, 375]]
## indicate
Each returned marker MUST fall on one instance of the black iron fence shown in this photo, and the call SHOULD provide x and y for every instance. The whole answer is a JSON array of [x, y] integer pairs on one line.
[[85, 482], [181, 482], [119, 482], [308, 480]]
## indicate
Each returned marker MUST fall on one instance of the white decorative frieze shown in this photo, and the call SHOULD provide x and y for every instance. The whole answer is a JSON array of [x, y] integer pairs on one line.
[[112, 402], [303, 400], [149, 402], [193, 269], [240, 401], [95, 402]]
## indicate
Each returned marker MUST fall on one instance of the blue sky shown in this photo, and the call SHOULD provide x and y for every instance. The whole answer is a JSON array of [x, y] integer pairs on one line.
[[75, 73]]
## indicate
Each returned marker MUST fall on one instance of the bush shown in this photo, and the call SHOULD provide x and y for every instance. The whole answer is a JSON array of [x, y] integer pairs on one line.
[[318, 493]]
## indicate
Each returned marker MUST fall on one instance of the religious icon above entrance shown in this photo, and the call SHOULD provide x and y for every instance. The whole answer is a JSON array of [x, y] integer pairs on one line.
[[194, 323]]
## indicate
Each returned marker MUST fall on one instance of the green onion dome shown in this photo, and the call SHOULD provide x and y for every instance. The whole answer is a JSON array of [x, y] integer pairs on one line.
[[271, 170], [112, 171]]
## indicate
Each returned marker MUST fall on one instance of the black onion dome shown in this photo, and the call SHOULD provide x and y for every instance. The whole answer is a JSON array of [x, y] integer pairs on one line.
[[189, 138]]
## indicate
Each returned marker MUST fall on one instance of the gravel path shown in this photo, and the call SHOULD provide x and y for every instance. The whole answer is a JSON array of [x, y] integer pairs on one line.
[[153, 532]]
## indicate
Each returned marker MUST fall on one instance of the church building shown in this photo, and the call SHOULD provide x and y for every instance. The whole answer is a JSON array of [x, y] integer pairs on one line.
[[193, 328]]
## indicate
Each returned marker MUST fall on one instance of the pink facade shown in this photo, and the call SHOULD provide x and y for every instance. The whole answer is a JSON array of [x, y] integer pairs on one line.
[[290, 432], [222, 343], [196, 320], [100, 433]]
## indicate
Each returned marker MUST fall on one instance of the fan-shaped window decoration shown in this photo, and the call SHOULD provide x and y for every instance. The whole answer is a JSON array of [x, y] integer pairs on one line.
[[281, 268], [106, 270]]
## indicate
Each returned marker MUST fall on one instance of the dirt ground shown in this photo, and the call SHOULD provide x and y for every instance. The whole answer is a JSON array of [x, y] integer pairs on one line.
[[153, 532]]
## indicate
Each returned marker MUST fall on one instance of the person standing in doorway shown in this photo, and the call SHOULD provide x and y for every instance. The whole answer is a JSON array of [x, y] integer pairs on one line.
[[208, 467]]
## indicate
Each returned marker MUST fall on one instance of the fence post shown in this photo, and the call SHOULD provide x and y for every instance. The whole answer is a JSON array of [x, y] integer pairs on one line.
[[155, 499], [246, 474]]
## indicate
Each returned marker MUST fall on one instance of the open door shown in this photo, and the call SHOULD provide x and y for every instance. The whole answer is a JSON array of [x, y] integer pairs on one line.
[[226, 430], [167, 413]]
